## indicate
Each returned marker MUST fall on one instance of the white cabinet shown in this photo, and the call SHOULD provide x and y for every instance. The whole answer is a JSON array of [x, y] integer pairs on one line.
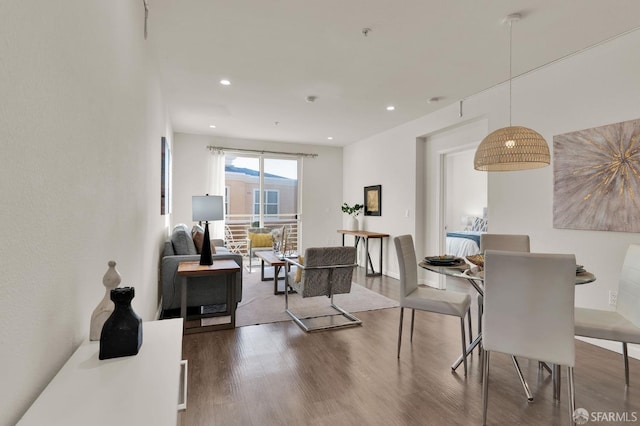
[[144, 389]]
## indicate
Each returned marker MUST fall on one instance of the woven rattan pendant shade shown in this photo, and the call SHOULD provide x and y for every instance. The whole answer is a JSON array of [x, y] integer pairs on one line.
[[512, 148]]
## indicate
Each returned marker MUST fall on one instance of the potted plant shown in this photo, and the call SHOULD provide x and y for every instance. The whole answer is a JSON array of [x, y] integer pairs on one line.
[[353, 211]]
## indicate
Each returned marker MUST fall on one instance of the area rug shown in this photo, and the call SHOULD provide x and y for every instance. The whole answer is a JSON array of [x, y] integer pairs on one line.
[[260, 306]]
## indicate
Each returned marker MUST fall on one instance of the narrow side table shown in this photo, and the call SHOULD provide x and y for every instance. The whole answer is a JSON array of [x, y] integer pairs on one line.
[[226, 267], [366, 235]]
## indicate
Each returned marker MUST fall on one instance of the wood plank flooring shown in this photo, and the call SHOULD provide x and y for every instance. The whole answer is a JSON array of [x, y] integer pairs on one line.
[[275, 374]]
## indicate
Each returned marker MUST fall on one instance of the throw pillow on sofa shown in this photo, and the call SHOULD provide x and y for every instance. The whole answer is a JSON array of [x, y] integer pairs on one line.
[[197, 233], [182, 241]]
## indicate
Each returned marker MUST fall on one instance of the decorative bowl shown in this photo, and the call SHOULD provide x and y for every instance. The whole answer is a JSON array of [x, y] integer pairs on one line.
[[476, 259]]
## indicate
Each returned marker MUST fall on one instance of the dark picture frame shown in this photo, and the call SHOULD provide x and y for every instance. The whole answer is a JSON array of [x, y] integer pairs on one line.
[[373, 200], [165, 177]]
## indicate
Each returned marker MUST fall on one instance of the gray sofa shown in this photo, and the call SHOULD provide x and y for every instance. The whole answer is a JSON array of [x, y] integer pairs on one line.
[[203, 291]]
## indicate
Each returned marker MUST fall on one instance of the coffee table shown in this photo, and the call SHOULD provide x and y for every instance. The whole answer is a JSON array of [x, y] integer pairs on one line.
[[272, 259]]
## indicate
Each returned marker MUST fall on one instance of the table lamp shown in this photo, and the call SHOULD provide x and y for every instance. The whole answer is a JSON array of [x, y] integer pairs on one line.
[[206, 208]]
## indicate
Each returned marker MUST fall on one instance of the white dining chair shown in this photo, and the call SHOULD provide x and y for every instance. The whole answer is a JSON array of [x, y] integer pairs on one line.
[[426, 298], [507, 242], [528, 311], [623, 324]]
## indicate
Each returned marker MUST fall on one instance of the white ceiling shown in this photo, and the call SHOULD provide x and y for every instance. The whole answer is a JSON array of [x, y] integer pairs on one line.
[[278, 52]]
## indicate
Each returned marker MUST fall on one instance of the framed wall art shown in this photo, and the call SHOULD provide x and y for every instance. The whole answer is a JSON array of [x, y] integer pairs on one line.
[[596, 178], [165, 177], [373, 200]]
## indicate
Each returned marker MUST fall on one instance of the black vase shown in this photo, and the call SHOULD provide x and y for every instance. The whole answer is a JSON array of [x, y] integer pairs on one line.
[[122, 331]]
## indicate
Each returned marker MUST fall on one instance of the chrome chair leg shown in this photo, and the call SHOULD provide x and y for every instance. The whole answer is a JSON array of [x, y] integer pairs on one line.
[[413, 317], [555, 378], [480, 311], [485, 385], [626, 363], [572, 395], [400, 330], [544, 366], [464, 346], [470, 329]]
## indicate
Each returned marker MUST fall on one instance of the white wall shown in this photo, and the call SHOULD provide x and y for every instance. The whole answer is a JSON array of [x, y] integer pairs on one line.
[[321, 182], [597, 87], [81, 119], [466, 189]]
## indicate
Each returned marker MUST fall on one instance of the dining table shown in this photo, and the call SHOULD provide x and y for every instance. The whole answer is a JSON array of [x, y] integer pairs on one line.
[[474, 275]]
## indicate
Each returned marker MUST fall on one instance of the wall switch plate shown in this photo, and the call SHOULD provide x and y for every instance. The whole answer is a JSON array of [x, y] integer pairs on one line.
[[613, 298]]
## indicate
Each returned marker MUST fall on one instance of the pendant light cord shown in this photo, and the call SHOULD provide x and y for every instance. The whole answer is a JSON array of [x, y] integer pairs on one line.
[[510, 65]]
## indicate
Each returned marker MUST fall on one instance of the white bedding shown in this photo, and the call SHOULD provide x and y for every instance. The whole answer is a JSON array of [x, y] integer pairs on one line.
[[461, 247]]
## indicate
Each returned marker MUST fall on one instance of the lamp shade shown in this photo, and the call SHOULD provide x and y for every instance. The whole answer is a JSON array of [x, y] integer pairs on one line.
[[207, 207], [512, 148]]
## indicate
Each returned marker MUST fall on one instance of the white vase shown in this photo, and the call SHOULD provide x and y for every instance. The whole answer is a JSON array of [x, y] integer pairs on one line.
[[102, 312], [360, 223], [353, 223]]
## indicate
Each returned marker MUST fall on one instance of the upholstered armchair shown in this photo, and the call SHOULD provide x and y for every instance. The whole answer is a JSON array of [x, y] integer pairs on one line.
[[258, 239], [322, 271]]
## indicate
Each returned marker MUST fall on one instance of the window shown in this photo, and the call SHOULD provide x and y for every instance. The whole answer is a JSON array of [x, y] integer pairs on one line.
[[271, 202]]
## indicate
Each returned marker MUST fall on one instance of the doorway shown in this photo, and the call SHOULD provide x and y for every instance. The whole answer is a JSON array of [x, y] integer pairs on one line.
[[465, 199], [446, 180]]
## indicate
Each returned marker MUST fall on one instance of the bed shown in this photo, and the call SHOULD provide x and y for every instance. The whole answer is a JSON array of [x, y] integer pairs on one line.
[[463, 243], [466, 243]]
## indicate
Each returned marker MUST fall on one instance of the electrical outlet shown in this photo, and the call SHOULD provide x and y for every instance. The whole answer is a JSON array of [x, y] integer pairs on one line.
[[613, 298]]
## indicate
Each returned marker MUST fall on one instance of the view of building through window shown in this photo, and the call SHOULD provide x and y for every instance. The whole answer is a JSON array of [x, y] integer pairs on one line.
[[246, 178]]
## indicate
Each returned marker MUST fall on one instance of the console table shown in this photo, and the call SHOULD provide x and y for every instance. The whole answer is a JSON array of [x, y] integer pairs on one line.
[[366, 235], [142, 389]]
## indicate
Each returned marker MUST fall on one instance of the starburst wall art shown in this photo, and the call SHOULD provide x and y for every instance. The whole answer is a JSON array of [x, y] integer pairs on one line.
[[597, 178]]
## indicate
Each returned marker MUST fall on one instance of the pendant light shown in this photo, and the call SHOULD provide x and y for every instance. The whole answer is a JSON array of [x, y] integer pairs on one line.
[[514, 147]]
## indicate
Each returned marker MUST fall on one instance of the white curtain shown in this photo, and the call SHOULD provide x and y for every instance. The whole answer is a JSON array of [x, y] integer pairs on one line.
[[216, 187]]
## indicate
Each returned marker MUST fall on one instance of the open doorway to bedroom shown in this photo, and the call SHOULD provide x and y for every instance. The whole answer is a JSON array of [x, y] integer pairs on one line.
[[448, 189], [464, 191]]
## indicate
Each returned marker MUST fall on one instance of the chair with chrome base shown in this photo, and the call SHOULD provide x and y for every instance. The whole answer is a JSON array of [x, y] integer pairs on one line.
[[426, 298], [528, 311], [623, 324], [326, 271]]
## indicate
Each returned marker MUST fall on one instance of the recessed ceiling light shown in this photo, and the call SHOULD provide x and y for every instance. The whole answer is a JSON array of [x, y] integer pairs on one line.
[[330, 138], [213, 126], [391, 108], [225, 82]]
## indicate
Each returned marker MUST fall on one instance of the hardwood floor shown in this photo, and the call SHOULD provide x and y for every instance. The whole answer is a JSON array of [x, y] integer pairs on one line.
[[275, 374]]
